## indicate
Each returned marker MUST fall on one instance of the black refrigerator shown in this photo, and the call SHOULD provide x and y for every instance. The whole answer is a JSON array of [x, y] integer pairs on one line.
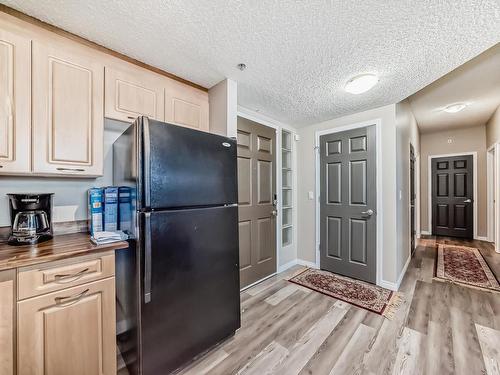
[[178, 285]]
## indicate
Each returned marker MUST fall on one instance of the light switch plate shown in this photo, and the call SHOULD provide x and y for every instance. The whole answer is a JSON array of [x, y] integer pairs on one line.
[[311, 195]]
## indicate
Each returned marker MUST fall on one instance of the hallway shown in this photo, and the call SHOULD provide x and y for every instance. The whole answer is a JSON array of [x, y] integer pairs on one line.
[[441, 328]]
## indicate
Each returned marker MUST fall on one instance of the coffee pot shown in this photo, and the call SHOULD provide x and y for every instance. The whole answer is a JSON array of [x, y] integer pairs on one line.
[[31, 218]]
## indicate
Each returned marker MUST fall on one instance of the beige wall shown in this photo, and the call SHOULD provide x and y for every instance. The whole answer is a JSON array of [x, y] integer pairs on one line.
[[306, 183], [407, 133], [463, 140], [493, 129], [223, 101]]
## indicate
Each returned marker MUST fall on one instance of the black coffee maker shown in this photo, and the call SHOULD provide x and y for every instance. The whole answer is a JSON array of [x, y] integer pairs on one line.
[[30, 218]]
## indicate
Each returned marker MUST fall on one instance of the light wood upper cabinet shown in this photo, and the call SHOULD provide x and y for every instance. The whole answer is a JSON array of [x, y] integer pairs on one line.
[[15, 104], [131, 92], [68, 332], [68, 116], [7, 322], [186, 105]]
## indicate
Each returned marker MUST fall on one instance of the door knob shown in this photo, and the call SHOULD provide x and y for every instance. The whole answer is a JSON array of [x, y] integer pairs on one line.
[[468, 201], [367, 212], [274, 213]]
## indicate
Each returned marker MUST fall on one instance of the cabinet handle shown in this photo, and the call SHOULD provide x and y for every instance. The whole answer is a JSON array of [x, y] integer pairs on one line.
[[75, 299], [131, 117], [76, 276], [71, 169]]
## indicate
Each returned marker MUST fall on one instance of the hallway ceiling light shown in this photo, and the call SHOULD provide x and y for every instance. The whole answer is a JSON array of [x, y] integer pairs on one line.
[[361, 83], [454, 108]]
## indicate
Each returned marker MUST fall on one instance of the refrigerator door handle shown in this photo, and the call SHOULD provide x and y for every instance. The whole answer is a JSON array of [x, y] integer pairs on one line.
[[147, 258], [147, 163]]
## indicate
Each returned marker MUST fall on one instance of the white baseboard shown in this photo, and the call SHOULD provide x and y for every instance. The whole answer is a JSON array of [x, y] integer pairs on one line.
[[481, 238], [403, 272], [425, 232], [286, 266], [306, 263], [388, 285], [395, 286], [257, 282]]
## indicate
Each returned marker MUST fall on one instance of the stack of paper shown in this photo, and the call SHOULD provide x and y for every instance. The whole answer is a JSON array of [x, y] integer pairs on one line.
[[101, 238]]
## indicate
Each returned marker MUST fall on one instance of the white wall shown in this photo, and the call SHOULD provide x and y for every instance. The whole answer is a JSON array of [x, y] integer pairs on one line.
[[306, 183], [70, 199], [406, 132], [493, 129]]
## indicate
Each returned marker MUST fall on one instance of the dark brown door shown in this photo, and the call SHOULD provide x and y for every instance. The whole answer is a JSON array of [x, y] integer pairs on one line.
[[348, 199], [256, 200], [452, 193]]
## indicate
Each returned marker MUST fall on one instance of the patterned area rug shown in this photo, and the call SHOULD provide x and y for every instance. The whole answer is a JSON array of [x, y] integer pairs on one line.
[[464, 265], [358, 293]]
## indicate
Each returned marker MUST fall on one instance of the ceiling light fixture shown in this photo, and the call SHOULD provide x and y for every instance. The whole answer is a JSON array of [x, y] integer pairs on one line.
[[361, 83], [454, 108]]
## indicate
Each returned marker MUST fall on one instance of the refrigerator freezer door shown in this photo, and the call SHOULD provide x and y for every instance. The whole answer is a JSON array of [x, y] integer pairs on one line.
[[194, 300], [186, 167]]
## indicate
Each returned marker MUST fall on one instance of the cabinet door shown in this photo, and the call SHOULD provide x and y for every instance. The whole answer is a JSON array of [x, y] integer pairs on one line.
[[7, 297], [15, 103], [68, 101], [68, 332], [186, 106], [131, 92]]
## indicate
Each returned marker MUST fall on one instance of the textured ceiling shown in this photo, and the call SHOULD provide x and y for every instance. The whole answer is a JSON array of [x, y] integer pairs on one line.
[[477, 83], [299, 53]]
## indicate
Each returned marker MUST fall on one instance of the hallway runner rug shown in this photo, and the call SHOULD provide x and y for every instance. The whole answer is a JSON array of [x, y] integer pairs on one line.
[[358, 293], [464, 265]]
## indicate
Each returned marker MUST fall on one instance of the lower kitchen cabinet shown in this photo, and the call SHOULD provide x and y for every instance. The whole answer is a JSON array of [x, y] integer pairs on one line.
[[71, 331], [7, 322]]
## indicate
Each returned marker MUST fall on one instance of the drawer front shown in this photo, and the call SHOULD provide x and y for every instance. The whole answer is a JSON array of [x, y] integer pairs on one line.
[[56, 276], [71, 331]]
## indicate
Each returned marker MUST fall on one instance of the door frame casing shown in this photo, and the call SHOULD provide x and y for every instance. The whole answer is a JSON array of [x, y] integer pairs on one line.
[[415, 181], [474, 187], [492, 182], [277, 126], [379, 212]]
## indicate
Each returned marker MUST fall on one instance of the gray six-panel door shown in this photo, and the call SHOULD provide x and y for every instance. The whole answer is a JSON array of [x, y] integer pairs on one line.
[[348, 202], [256, 201]]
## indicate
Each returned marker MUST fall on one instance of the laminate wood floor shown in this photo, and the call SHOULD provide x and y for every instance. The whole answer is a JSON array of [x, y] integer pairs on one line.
[[441, 328]]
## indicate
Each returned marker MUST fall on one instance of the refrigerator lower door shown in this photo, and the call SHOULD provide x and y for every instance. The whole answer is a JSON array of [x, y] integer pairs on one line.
[[190, 289]]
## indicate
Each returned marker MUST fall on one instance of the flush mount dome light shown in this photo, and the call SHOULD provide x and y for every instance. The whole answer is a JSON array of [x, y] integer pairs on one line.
[[454, 108], [361, 83]]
